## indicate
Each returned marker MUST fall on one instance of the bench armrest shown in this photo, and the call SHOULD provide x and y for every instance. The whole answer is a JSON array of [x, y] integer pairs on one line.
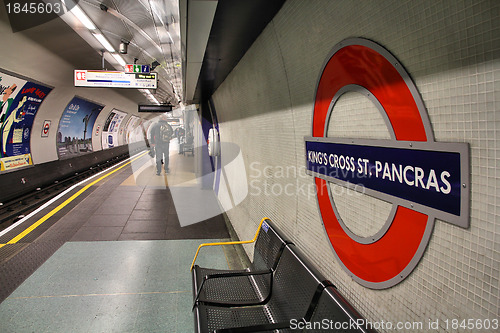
[[229, 243]]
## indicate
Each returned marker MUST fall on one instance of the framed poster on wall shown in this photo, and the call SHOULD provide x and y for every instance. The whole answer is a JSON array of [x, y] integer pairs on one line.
[[111, 127], [20, 100], [74, 135]]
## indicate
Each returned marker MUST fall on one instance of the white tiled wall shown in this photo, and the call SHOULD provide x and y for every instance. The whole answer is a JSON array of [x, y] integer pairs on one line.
[[451, 49]]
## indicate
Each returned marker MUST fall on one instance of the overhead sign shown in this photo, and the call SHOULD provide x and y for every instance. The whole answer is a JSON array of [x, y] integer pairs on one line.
[[114, 79], [424, 180], [154, 108], [134, 68]]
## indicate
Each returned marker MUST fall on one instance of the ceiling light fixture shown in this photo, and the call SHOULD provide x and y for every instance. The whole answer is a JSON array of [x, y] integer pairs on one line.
[[149, 95], [84, 19], [104, 42], [119, 59], [155, 100]]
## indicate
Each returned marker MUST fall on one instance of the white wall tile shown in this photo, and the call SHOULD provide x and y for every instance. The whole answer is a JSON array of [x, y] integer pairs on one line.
[[450, 49]]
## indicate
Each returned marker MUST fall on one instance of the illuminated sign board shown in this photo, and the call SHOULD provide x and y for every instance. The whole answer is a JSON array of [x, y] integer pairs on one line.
[[115, 79]]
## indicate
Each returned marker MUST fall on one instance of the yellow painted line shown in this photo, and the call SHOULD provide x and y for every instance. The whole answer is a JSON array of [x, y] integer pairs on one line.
[[64, 204]]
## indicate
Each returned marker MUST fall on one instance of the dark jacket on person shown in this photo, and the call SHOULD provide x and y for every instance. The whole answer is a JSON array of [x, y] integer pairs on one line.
[[161, 133]]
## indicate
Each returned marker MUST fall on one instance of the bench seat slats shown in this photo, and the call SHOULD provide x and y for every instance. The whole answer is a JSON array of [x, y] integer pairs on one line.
[[232, 288]]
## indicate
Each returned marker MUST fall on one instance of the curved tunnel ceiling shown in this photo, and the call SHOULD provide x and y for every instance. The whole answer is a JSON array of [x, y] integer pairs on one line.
[[151, 27], [154, 28]]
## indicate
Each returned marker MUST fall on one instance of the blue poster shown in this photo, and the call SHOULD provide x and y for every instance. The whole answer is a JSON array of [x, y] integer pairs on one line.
[[74, 135], [20, 101]]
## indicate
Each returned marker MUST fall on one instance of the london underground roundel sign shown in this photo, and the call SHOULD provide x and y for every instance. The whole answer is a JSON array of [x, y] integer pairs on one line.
[[423, 179]]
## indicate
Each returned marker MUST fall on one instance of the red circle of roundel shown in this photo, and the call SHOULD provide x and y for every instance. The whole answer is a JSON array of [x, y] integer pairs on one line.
[[380, 264]]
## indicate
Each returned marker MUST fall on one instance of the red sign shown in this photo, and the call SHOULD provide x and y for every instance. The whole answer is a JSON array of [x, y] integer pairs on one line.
[[45, 128], [129, 68], [80, 75]]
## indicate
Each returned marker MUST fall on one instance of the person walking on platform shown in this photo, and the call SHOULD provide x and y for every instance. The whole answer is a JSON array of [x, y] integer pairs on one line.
[[161, 134]]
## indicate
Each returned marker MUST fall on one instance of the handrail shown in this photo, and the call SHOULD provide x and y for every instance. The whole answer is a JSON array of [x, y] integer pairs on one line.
[[230, 243]]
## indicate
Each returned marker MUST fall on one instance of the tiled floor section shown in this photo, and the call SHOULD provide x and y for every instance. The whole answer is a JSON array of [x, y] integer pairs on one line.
[[141, 206], [126, 286], [120, 259]]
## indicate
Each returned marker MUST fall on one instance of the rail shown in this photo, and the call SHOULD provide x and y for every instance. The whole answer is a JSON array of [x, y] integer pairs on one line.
[[229, 243]]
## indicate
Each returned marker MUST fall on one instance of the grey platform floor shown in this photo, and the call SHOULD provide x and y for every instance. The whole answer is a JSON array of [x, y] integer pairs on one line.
[[120, 259], [117, 286]]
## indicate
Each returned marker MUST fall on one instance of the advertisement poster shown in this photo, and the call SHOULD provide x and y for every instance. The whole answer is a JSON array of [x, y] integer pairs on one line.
[[20, 101], [110, 129], [74, 135], [132, 123]]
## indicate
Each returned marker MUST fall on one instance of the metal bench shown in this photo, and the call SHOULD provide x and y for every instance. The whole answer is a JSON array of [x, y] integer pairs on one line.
[[241, 287], [290, 296]]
